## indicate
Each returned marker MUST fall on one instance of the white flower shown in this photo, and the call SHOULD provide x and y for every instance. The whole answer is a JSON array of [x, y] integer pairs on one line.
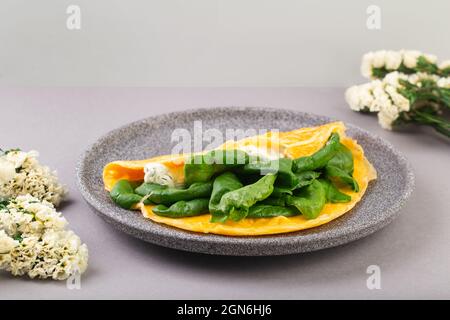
[[6, 243], [444, 82], [410, 58], [18, 157], [398, 100], [393, 78], [379, 59], [360, 97], [381, 98], [46, 249], [158, 173], [386, 117], [444, 64], [393, 60], [366, 65], [431, 58], [29, 177], [7, 171]]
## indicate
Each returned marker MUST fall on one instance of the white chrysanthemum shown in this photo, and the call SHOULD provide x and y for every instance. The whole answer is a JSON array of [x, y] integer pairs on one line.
[[381, 98], [361, 97], [444, 82], [27, 215], [366, 64], [7, 171], [385, 98], [387, 117], [431, 58], [410, 58], [393, 78], [379, 59], [6, 243], [444, 64], [45, 249], [393, 60], [29, 177], [59, 254], [352, 98], [158, 173], [398, 100], [416, 78]]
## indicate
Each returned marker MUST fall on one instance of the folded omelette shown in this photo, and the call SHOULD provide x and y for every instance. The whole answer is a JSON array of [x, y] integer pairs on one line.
[[293, 144]]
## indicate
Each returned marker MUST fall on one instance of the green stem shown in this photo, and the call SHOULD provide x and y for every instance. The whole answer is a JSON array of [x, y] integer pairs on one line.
[[439, 124]]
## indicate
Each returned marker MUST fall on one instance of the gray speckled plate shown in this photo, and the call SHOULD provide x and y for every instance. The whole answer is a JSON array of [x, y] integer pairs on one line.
[[151, 137]]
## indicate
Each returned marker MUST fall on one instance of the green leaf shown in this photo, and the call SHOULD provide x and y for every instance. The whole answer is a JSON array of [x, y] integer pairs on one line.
[[167, 195], [236, 203], [319, 159], [310, 200], [282, 167], [306, 178], [201, 168], [269, 211], [182, 209], [223, 184], [333, 194], [123, 194]]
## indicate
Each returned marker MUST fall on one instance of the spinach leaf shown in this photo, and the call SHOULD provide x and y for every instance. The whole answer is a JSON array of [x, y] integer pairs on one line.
[[343, 159], [201, 168], [270, 211], [279, 192], [310, 200], [340, 168], [123, 194], [167, 195], [333, 194], [282, 167], [223, 184], [319, 159], [182, 209], [274, 201], [235, 204], [305, 178]]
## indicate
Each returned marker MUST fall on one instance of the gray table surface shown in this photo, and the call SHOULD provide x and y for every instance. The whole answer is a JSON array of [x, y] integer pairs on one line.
[[412, 252]]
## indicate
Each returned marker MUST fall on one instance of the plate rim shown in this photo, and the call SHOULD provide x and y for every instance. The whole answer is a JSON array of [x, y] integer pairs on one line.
[[346, 234]]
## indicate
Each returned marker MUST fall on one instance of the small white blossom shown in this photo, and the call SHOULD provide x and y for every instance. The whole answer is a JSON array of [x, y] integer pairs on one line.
[[393, 60], [21, 173], [431, 58], [410, 58], [45, 249], [444, 82], [379, 59], [7, 171], [366, 65], [7, 243], [444, 64]]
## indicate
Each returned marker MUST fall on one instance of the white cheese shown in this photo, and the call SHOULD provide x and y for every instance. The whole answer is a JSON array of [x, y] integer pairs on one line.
[[159, 174]]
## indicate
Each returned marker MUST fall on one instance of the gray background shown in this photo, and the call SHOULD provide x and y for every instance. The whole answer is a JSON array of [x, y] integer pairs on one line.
[[208, 42], [412, 252]]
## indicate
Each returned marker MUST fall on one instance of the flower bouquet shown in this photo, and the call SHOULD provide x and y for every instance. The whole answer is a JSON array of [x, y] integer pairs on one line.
[[405, 87]]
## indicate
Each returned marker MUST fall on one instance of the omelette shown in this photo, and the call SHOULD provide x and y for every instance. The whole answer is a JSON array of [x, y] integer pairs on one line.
[[295, 144]]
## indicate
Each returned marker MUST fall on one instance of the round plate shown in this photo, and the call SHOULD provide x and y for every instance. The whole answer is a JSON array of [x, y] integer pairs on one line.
[[152, 136]]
